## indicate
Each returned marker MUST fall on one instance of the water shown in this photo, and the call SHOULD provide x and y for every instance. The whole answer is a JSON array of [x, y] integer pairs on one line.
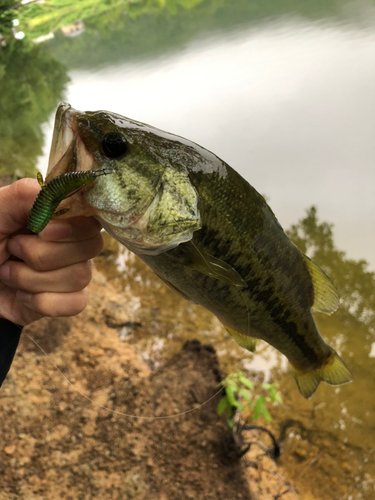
[[286, 102], [283, 92], [327, 440]]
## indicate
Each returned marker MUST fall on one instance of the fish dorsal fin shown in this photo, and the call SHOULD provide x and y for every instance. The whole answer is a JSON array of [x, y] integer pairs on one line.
[[326, 297], [244, 341]]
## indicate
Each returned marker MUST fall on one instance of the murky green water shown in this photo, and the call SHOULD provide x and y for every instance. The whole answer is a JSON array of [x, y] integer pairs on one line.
[[282, 91], [328, 442]]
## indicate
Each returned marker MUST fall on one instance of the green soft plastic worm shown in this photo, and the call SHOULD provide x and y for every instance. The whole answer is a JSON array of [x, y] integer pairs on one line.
[[55, 191]]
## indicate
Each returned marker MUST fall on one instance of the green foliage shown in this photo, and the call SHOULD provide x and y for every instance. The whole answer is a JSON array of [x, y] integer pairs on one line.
[[32, 84], [355, 283], [40, 19], [8, 12], [118, 30], [130, 30], [238, 396]]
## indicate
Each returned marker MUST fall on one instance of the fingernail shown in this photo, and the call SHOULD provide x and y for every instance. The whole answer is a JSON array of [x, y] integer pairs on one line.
[[4, 272], [56, 231], [14, 247], [23, 296]]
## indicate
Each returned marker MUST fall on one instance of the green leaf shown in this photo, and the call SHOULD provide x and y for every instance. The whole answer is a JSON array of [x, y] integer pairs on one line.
[[229, 391], [272, 389], [278, 399], [266, 415], [273, 394], [246, 382], [222, 405], [260, 409], [245, 394]]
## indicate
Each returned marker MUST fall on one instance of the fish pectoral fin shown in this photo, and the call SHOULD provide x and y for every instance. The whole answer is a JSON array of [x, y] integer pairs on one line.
[[244, 341], [210, 266], [326, 297], [334, 372], [175, 289]]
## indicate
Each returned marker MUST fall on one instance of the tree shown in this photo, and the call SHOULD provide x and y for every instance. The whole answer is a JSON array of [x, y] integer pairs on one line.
[[7, 14], [32, 83], [355, 283]]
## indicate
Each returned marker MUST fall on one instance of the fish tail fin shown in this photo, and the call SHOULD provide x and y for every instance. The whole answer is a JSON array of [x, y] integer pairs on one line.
[[334, 372]]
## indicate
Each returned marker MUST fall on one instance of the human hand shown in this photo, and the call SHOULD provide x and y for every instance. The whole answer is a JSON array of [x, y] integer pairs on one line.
[[52, 269]]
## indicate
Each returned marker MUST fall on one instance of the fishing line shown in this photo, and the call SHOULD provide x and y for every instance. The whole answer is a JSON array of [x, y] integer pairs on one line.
[[115, 412], [161, 417]]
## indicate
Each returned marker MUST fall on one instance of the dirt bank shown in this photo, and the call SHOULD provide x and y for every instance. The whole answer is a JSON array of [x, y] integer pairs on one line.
[[55, 443]]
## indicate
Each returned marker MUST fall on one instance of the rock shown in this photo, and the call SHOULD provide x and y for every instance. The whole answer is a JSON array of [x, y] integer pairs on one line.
[[10, 449], [301, 453], [115, 315]]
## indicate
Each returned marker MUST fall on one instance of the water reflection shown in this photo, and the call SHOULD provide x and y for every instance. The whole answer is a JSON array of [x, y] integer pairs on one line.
[[283, 91], [32, 83], [286, 103], [330, 436]]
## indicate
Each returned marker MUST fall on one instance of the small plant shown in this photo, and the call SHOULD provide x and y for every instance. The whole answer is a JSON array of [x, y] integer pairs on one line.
[[238, 396]]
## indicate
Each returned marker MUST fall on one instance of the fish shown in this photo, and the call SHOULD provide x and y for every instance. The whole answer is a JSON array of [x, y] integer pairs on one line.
[[204, 230]]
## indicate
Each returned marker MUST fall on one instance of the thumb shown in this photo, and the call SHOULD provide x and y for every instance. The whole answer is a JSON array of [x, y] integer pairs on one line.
[[15, 202]]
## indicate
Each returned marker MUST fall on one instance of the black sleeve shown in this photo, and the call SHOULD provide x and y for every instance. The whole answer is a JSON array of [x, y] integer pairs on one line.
[[9, 338]]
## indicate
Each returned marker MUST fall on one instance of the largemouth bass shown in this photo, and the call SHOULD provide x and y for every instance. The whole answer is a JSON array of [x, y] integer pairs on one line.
[[203, 230]]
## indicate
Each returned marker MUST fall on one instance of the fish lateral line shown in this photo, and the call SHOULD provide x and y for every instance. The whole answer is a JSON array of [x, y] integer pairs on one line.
[[58, 189]]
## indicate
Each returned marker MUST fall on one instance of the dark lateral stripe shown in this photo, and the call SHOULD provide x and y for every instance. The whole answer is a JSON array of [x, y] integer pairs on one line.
[[260, 291], [280, 317]]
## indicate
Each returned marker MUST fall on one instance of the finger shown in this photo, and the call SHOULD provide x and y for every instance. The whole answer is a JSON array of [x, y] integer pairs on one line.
[[19, 275], [15, 311], [74, 229], [14, 214], [54, 304], [47, 256], [15, 202]]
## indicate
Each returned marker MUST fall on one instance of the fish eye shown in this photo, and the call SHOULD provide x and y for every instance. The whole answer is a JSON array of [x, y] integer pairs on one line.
[[114, 145]]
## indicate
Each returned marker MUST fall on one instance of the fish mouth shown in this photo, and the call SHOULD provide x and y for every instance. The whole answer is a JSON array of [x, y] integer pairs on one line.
[[68, 152]]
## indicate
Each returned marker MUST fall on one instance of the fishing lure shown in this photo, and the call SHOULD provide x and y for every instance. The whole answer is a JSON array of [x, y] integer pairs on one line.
[[55, 191]]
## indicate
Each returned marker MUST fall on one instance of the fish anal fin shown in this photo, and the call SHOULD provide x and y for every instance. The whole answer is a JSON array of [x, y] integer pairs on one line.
[[326, 297], [334, 372], [244, 341]]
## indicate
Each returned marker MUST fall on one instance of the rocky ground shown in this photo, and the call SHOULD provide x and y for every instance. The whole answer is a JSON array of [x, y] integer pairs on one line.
[[83, 417]]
